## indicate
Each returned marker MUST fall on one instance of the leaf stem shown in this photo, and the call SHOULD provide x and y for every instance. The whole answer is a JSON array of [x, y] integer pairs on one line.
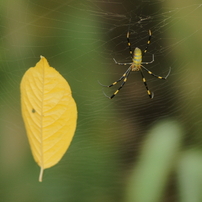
[[41, 174]]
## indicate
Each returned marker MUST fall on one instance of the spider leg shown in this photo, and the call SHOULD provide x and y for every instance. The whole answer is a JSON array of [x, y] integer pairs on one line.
[[129, 44], [120, 63], [113, 84], [148, 42], [121, 86], [121, 78], [159, 77], [145, 63], [151, 94]]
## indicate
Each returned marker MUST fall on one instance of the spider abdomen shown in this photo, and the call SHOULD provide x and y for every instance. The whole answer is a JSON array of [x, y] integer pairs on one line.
[[137, 60]]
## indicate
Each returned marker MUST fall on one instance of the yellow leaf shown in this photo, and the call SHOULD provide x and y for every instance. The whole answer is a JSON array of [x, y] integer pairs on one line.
[[49, 113]]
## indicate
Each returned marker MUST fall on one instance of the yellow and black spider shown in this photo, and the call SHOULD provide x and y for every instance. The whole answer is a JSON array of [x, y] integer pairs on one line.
[[136, 65]]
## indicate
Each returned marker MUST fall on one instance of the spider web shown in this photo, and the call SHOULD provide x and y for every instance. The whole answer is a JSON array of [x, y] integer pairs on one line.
[[113, 137]]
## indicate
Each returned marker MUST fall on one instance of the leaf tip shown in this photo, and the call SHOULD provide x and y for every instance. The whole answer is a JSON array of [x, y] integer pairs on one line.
[[41, 174], [44, 61]]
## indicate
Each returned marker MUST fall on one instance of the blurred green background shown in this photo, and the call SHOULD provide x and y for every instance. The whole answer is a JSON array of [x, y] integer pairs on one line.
[[131, 148]]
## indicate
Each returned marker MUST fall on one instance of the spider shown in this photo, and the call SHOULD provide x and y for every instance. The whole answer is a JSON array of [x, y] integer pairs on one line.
[[136, 65]]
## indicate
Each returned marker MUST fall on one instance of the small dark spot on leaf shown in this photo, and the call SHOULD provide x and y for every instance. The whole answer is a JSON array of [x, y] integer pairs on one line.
[[33, 110]]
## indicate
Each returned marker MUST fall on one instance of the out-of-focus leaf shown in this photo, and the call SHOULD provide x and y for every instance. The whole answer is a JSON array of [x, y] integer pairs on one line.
[[190, 176], [156, 162], [49, 113]]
